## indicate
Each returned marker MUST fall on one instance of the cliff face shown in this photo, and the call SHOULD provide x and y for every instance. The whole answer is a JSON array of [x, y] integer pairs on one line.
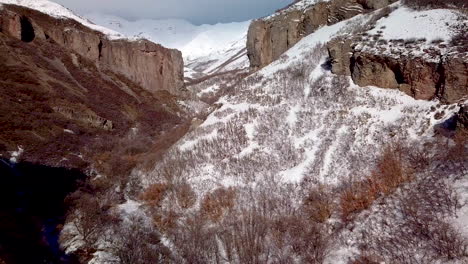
[[425, 76], [152, 66], [270, 37], [69, 96]]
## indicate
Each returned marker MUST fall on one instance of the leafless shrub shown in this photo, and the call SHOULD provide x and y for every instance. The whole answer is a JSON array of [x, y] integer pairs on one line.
[[196, 241], [215, 204], [88, 219], [366, 259], [133, 242], [318, 205], [414, 227], [460, 39], [384, 12], [164, 220], [389, 174], [437, 41], [154, 194], [410, 41], [186, 197], [249, 237]]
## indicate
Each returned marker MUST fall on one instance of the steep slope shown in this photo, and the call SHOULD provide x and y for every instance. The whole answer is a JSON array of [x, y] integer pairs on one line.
[[64, 94], [299, 165], [207, 49]]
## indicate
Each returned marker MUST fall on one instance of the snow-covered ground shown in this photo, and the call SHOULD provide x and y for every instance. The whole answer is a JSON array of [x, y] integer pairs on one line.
[[311, 124], [404, 23], [300, 5], [291, 126], [294, 123], [425, 34]]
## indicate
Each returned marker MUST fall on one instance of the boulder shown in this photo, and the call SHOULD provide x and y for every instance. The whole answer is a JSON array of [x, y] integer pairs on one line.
[[339, 50]]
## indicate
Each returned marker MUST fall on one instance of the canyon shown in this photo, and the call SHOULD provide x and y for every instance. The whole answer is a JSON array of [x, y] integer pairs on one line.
[[330, 131]]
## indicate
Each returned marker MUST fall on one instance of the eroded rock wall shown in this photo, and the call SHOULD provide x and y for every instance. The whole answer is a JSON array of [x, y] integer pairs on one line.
[[270, 37], [427, 76], [151, 65]]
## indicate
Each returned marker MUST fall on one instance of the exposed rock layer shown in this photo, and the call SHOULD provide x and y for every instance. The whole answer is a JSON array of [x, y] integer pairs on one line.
[[270, 37], [152, 66], [423, 77], [65, 107]]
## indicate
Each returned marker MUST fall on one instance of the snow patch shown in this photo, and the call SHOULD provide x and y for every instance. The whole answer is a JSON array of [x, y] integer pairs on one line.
[[130, 207], [16, 154], [405, 23]]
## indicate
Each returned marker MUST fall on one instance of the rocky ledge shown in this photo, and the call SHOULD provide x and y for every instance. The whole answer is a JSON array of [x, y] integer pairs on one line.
[[438, 72]]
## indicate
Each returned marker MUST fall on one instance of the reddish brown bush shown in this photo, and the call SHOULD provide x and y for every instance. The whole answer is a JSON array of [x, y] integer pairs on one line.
[[390, 172], [216, 203], [318, 205], [165, 220], [186, 197], [366, 259], [154, 194]]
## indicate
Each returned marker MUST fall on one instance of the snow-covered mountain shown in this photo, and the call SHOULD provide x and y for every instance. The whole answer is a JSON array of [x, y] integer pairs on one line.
[[206, 48], [324, 155]]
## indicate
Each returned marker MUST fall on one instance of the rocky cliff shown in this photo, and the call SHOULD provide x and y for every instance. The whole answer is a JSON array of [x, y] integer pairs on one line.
[[152, 66], [269, 37], [424, 70], [69, 96]]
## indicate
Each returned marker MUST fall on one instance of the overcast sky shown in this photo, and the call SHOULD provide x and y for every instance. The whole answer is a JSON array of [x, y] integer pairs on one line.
[[196, 11]]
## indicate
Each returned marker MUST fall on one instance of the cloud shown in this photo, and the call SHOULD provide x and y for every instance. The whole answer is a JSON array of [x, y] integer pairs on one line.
[[196, 11]]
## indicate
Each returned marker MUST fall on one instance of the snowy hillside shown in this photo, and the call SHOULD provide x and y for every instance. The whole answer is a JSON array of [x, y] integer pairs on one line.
[[292, 143], [205, 47], [306, 115]]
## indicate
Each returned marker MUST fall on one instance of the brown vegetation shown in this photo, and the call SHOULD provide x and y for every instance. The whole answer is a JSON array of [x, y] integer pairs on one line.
[[154, 194], [422, 4], [389, 174], [319, 204], [215, 204]]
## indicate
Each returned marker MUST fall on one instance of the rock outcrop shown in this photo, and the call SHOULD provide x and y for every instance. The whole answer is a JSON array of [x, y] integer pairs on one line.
[[422, 76], [151, 65], [462, 117], [270, 37]]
